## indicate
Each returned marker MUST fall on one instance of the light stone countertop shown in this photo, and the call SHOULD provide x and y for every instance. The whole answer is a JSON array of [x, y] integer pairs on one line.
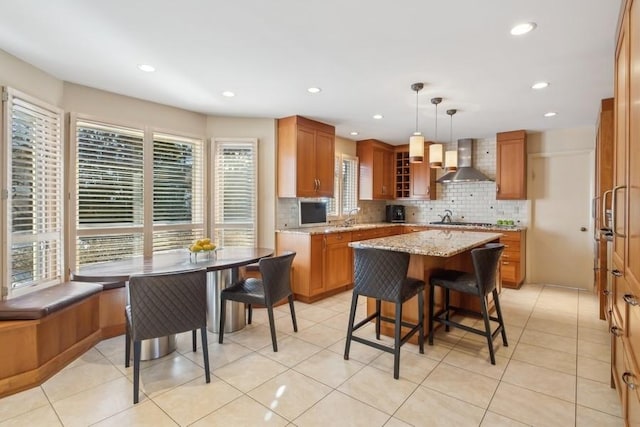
[[440, 243], [327, 229]]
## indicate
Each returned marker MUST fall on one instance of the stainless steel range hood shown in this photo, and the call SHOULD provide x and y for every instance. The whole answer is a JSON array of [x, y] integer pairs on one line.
[[465, 172]]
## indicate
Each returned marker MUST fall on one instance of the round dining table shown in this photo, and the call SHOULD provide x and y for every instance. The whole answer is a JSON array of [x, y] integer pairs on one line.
[[222, 266]]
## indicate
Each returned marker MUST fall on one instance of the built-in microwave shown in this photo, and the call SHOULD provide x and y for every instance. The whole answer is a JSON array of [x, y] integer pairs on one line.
[[312, 213]]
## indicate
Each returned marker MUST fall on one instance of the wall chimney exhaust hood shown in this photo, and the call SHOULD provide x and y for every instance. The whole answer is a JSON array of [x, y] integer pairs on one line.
[[465, 172]]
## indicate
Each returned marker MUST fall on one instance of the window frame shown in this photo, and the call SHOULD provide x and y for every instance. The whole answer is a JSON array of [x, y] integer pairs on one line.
[[253, 142], [8, 95], [339, 189], [148, 227]]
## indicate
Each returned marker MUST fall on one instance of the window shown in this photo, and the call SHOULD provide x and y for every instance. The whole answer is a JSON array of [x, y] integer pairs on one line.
[[32, 192], [346, 187], [128, 204], [235, 184]]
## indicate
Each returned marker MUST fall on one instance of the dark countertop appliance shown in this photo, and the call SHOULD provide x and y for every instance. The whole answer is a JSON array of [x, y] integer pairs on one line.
[[395, 213]]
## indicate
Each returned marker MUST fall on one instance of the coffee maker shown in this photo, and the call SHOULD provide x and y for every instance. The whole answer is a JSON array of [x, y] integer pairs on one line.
[[395, 213]]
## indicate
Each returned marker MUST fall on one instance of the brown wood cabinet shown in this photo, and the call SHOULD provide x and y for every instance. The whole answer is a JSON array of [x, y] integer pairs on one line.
[[306, 151], [511, 165], [323, 265], [513, 258], [413, 180], [376, 170], [603, 183], [625, 319]]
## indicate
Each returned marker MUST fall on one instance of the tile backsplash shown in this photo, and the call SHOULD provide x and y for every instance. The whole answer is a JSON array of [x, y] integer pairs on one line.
[[469, 201]]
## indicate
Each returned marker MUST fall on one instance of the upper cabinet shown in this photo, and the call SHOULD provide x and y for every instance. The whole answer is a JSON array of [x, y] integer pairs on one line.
[[376, 169], [414, 180], [511, 165], [306, 151]]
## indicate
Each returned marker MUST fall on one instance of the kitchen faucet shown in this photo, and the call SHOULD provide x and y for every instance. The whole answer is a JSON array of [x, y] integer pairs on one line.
[[351, 220], [446, 217]]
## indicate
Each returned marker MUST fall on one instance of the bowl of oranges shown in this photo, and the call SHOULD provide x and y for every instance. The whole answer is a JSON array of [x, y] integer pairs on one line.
[[202, 246]]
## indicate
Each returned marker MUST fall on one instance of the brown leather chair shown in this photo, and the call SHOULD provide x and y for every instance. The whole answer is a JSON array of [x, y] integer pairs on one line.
[[161, 305]]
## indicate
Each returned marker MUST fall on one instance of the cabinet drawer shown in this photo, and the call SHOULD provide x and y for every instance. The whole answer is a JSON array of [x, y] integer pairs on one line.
[[338, 238], [513, 236], [510, 271], [367, 234]]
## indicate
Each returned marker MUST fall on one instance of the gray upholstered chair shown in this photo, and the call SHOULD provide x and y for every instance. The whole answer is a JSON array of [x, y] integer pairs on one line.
[[480, 283], [161, 305], [274, 286], [382, 275]]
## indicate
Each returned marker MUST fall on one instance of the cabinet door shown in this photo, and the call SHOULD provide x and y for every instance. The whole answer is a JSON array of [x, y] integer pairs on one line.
[[382, 174], [325, 163], [422, 180], [620, 148], [338, 261], [316, 268], [511, 169], [306, 164], [632, 193]]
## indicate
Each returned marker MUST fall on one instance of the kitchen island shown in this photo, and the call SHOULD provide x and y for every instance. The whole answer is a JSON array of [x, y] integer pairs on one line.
[[431, 250]]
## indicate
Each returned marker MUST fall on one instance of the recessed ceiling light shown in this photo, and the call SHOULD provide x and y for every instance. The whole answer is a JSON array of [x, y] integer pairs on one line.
[[146, 68], [539, 85], [550, 114], [354, 133], [228, 94], [523, 28], [377, 116], [314, 90]]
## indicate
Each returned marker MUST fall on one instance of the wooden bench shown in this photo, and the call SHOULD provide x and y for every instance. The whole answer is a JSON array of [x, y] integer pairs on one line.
[[43, 331]]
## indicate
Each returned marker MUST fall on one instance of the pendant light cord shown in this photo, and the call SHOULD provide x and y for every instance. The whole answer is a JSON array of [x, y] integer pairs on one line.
[[415, 133]]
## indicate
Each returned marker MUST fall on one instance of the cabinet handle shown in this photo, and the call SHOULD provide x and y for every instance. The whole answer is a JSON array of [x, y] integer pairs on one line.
[[627, 381], [613, 210], [617, 332], [616, 273], [603, 219], [630, 299], [505, 263], [497, 188], [606, 293]]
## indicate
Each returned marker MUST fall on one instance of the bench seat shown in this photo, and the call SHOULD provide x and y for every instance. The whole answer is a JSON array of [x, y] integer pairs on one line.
[[41, 303]]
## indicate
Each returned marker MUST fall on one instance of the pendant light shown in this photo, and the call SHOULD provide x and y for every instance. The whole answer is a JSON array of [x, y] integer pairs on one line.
[[451, 157], [436, 150], [416, 142]]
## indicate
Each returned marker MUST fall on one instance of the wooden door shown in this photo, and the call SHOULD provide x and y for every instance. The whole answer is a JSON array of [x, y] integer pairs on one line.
[[511, 166], [382, 173], [316, 267], [305, 159], [620, 150], [325, 163]]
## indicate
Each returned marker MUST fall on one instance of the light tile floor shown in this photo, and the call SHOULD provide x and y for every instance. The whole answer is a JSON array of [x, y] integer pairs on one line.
[[555, 372]]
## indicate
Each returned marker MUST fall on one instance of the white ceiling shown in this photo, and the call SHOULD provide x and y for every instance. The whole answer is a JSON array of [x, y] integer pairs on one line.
[[364, 54]]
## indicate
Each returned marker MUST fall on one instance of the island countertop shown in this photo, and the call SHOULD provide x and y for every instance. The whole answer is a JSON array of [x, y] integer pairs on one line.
[[439, 243]]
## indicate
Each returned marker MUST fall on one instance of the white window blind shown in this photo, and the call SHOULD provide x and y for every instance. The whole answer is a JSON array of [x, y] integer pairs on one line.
[[346, 187], [110, 192], [235, 184], [178, 191], [34, 185]]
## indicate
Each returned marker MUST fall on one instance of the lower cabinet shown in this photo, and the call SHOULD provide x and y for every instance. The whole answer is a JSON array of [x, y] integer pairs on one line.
[[323, 265], [512, 261]]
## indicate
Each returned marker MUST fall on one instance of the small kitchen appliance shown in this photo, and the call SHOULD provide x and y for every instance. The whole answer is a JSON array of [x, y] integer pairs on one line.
[[395, 213]]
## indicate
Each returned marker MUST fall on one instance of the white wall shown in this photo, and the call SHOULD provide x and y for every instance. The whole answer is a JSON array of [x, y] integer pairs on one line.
[[29, 79]]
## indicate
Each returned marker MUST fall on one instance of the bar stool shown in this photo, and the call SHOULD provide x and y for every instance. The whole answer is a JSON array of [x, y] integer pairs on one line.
[[479, 283], [382, 275]]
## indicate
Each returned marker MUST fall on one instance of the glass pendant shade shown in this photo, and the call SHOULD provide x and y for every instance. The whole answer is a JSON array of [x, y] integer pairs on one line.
[[416, 149], [436, 152], [451, 161]]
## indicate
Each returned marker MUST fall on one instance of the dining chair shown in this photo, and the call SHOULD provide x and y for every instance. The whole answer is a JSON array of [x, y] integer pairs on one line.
[[274, 286], [382, 275], [480, 283], [161, 305]]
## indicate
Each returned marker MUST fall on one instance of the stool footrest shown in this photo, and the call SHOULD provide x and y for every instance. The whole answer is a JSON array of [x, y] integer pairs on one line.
[[439, 318]]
